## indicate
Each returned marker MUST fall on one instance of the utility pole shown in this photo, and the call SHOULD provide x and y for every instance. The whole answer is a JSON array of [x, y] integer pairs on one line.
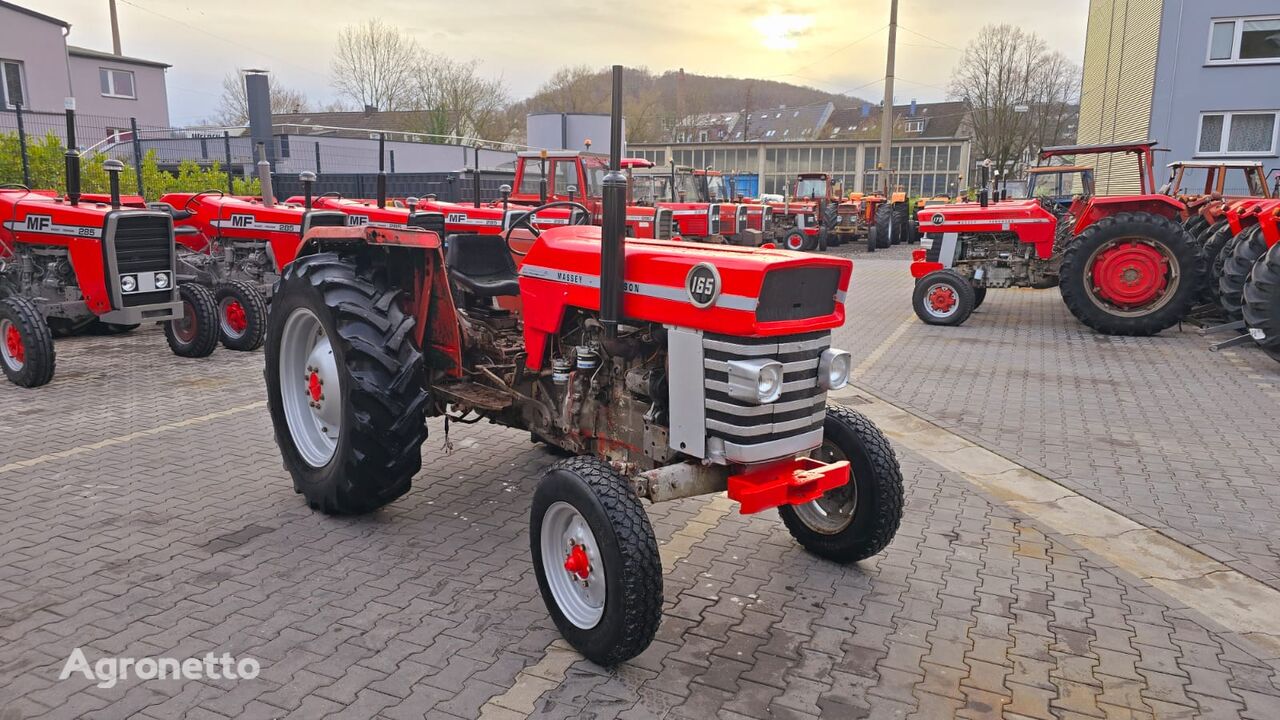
[[886, 112], [115, 28]]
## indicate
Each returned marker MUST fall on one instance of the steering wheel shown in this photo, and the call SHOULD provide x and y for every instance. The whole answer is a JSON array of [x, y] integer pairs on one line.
[[525, 218], [186, 206]]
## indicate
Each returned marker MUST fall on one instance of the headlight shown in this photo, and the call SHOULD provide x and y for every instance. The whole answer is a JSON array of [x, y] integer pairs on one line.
[[833, 369], [128, 283], [162, 281], [755, 381]]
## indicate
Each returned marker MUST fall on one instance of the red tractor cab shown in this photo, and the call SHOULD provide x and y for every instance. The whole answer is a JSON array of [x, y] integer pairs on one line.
[[569, 176]]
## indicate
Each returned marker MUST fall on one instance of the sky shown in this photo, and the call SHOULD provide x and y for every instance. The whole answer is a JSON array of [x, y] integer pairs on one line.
[[834, 45]]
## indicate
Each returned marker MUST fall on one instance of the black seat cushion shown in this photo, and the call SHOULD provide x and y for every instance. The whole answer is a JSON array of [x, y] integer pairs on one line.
[[482, 264]]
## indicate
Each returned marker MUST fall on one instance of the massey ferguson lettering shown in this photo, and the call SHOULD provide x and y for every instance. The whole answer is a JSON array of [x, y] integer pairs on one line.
[[44, 225]]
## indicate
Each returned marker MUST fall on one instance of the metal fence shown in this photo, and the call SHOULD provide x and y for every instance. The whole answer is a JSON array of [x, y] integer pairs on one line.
[[450, 187]]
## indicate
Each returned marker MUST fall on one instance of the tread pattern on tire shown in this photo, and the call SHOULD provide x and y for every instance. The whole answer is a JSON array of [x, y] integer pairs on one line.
[[1073, 273], [1250, 247], [1261, 307], [387, 399], [37, 340], [1215, 237], [887, 516], [965, 292], [642, 571], [255, 309], [205, 306]]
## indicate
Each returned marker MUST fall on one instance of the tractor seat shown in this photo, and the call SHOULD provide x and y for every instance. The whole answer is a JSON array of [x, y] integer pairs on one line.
[[482, 265]]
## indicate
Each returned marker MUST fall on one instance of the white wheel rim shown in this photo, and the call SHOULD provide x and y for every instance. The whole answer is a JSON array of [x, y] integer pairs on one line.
[[834, 510], [794, 242], [564, 533], [935, 312], [14, 363], [224, 320], [310, 388]]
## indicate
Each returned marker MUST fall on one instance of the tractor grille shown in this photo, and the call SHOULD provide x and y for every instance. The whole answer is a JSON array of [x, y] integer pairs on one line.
[[664, 224], [797, 293], [323, 218], [740, 219], [143, 243], [713, 220], [799, 410]]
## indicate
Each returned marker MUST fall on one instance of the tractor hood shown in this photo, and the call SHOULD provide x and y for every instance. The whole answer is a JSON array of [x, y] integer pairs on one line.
[[721, 289]]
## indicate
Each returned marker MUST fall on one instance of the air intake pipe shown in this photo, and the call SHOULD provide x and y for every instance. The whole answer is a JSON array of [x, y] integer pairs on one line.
[[114, 168], [73, 160], [308, 179], [614, 227]]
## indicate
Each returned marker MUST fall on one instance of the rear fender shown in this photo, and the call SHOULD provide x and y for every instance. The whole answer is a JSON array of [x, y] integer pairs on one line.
[[1100, 207]]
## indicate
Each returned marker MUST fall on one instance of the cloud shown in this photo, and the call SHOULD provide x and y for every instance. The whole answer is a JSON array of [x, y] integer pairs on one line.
[[782, 31]]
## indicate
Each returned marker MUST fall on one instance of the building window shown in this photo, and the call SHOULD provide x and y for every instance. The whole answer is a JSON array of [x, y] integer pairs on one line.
[[915, 126], [1239, 133], [117, 83], [119, 135], [11, 87], [1244, 40], [702, 136]]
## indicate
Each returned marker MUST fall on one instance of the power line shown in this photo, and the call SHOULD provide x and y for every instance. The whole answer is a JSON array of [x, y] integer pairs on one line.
[[930, 39]]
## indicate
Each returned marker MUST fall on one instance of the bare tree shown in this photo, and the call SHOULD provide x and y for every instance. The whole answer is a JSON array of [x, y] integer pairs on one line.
[[574, 88], [375, 65], [233, 106], [1020, 94], [453, 100]]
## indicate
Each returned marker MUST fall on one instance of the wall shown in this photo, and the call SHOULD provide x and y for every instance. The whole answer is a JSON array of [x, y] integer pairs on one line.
[[569, 131], [1185, 86], [41, 49], [151, 106]]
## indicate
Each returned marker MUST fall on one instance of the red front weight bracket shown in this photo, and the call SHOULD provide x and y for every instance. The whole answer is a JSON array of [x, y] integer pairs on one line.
[[791, 482]]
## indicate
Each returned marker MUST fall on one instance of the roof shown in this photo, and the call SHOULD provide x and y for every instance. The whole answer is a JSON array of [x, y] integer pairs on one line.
[[377, 120], [1048, 169], [99, 55], [1216, 164], [781, 124], [1138, 146], [940, 119], [34, 14]]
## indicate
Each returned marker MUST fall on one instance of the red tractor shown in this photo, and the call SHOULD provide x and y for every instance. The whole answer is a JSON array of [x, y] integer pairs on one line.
[[1124, 264], [805, 218], [696, 216], [667, 369], [69, 263]]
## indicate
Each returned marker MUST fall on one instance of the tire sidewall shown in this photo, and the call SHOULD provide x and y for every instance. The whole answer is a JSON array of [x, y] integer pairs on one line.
[[255, 316], [965, 298], [37, 343]]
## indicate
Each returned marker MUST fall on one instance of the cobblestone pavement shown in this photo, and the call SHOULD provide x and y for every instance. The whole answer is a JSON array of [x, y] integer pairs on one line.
[[144, 512]]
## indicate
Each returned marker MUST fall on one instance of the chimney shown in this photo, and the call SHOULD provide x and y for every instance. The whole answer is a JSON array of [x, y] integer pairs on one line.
[[115, 28], [370, 109], [912, 111]]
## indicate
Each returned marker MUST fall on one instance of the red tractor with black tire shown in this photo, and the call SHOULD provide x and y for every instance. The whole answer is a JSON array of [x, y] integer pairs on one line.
[[68, 263], [1124, 264], [667, 369]]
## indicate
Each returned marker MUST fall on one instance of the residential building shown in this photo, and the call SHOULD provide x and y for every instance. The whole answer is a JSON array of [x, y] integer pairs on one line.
[[39, 70], [930, 151], [706, 127], [1199, 78]]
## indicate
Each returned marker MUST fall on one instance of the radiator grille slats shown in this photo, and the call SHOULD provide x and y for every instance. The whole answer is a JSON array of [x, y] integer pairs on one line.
[[143, 243], [801, 407]]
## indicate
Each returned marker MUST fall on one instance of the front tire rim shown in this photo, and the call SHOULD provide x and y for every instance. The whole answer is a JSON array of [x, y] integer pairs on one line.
[[572, 565], [12, 347], [833, 512], [234, 319], [187, 328], [1132, 277], [941, 301], [795, 242], [309, 387]]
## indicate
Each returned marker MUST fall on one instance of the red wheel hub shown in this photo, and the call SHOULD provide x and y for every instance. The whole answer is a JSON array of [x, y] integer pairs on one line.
[[1130, 274], [577, 562], [942, 299], [315, 387], [13, 343], [235, 315]]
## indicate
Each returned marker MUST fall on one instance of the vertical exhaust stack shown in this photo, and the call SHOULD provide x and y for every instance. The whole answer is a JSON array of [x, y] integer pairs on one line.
[[73, 160], [382, 171], [264, 178], [983, 179], [114, 168], [475, 177], [614, 230], [308, 179]]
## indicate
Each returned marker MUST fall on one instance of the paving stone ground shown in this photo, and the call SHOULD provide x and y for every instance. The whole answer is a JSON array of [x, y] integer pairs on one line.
[[189, 540]]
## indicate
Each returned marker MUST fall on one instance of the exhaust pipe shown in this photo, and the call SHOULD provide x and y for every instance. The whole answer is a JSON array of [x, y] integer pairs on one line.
[[475, 177], [264, 178], [983, 179], [73, 160], [614, 226], [308, 179], [542, 182], [114, 168], [382, 171]]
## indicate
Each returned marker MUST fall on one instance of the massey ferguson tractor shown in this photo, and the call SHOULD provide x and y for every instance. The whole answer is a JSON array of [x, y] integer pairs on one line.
[[1246, 284], [67, 262], [696, 218], [667, 369], [1124, 264]]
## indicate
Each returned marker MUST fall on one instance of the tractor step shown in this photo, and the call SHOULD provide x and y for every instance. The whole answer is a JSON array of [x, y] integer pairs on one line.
[[473, 395]]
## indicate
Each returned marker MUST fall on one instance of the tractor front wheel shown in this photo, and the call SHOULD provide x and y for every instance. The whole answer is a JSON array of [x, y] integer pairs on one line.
[[943, 297], [1262, 302], [344, 385], [1235, 270], [797, 240], [242, 315], [195, 334], [596, 560], [859, 519], [979, 294], [1131, 274], [26, 343]]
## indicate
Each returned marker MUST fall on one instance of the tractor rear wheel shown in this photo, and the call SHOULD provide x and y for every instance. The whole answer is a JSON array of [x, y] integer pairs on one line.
[[943, 297], [1131, 274], [1262, 302], [596, 560], [979, 294], [859, 519], [242, 315], [195, 334], [901, 223], [872, 243], [26, 343], [885, 226], [1195, 227], [344, 384], [1235, 270], [1215, 238]]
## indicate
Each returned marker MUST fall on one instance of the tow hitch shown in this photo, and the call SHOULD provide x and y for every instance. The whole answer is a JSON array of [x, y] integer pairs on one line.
[[792, 482]]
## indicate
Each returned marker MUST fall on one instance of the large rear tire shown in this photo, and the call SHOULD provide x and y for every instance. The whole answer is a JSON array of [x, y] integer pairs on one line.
[[1131, 274], [885, 226], [26, 343], [242, 316], [1215, 238], [857, 520], [596, 560], [195, 334], [1235, 270], [1261, 308], [344, 384]]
